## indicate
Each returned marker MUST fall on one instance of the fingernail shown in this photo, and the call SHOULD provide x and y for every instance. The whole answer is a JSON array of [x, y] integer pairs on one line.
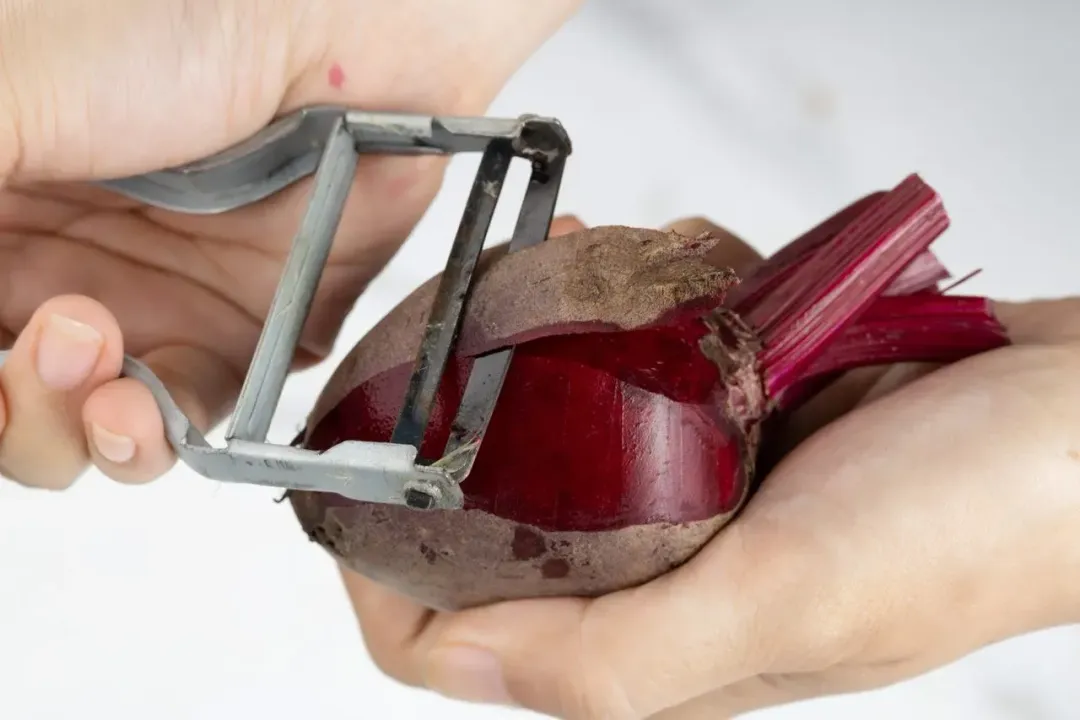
[[113, 447], [467, 673], [67, 352]]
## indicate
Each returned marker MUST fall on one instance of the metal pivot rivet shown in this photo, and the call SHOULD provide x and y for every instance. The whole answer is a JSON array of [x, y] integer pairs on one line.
[[422, 498]]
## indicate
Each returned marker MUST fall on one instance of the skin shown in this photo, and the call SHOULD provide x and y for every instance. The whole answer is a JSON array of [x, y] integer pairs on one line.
[[891, 541]]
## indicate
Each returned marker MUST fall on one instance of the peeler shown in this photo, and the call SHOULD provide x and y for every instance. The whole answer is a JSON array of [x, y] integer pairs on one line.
[[326, 142]]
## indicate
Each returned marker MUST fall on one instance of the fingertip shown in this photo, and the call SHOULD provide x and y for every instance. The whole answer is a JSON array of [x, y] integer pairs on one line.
[[80, 318], [696, 225], [528, 653], [125, 432], [732, 251], [564, 225], [71, 345]]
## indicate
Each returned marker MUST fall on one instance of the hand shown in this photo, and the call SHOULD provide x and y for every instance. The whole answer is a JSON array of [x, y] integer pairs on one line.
[[119, 87], [930, 514]]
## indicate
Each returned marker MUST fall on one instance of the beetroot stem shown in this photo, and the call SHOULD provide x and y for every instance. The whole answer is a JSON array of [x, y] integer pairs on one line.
[[801, 316], [779, 266], [924, 327], [924, 273]]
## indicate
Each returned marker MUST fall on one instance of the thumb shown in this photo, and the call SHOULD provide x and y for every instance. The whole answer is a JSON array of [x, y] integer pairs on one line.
[[628, 655]]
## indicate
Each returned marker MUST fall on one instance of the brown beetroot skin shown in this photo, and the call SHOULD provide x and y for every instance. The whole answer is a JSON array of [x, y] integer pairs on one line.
[[603, 279]]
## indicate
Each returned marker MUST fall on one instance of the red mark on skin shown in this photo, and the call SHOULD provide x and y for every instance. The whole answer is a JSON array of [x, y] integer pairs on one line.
[[337, 76]]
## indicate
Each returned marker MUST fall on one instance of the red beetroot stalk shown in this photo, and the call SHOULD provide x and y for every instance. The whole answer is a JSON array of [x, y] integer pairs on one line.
[[915, 328], [922, 327], [838, 282], [924, 273]]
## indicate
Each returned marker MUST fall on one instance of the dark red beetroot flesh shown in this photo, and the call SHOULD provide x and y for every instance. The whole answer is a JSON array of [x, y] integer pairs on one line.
[[627, 428]]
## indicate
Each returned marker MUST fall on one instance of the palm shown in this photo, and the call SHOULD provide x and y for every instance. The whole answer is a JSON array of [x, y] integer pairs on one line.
[[201, 281]]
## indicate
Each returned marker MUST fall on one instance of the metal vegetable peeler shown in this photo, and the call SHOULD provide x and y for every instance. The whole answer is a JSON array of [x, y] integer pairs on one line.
[[326, 141]]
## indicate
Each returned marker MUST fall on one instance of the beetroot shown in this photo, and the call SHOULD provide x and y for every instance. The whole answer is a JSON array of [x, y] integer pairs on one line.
[[630, 421]]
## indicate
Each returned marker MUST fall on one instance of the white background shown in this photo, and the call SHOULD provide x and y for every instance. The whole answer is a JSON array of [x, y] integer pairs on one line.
[[186, 599]]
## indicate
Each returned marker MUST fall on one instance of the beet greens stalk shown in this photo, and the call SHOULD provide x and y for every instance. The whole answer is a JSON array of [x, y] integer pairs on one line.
[[860, 290]]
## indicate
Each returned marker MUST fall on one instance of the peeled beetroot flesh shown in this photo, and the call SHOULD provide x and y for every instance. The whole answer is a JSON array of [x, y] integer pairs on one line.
[[629, 423]]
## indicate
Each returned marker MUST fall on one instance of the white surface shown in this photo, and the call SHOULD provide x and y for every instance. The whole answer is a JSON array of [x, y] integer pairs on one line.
[[185, 599]]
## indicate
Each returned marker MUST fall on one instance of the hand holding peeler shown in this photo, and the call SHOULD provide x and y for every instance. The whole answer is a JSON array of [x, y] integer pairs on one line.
[[326, 141]]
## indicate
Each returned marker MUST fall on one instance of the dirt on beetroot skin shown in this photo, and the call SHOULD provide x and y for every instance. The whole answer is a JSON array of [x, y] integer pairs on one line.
[[451, 560]]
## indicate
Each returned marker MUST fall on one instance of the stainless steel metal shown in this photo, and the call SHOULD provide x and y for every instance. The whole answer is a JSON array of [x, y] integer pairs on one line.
[[326, 141], [289, 149], [488, 372], [284, 152], [295, 291], [370, 472], [444, 320]]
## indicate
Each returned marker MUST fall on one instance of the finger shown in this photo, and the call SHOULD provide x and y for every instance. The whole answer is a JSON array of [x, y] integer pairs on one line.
[[1040, 321], [732, 252], [895, 377], [125, 432], [124, 425], [392, 626], [836, 399], [564, 225], [71, 346], [627, 655], [748, 695], [771, 690]]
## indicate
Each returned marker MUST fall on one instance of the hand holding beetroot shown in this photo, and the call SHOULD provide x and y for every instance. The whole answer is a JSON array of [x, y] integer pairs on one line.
[[927, 515]]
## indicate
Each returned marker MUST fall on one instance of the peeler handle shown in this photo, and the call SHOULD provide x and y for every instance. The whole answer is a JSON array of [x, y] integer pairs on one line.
[[369, 472]]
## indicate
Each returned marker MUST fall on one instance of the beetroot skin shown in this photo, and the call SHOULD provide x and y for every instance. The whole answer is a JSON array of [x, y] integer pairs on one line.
[[629, 422]]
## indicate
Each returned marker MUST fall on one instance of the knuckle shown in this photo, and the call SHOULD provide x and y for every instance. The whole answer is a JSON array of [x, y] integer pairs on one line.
[[697, 225], [57, 476], [392, 661], [594, 689], [37, 453], [593, 702]]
